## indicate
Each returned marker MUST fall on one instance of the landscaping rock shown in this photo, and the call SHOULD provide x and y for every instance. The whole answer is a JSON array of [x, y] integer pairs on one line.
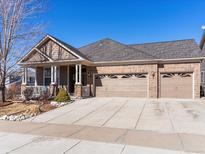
[[15, 117], [3, 117], [58, 104]]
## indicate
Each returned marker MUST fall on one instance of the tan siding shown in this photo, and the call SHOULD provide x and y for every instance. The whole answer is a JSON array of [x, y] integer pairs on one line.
[[36, 57], [56, 52]]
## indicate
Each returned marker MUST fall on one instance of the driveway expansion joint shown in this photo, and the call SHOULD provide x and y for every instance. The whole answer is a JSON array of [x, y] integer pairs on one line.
[[140, 115], [114, 114], [94, 110], [71, 147]]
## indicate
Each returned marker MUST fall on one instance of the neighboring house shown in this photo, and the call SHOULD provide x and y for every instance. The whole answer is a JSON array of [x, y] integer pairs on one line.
[[109, 68], [13, 82], [202, 46], [16, 78]]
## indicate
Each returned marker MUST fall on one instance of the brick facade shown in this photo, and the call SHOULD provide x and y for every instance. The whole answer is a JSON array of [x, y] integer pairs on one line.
[[153, 71]]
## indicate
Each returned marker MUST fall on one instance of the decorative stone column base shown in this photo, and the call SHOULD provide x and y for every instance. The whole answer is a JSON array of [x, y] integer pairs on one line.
[[78, 90], [53, 89], [23, 87]]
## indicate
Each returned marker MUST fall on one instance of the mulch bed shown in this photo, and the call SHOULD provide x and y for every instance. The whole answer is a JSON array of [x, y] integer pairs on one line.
[[5, 104], [13, 108]]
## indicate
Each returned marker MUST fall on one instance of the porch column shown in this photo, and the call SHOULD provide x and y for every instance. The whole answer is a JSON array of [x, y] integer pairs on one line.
[[35, 76], [24, 76], [78, 73], [78, 83], [68, 78], [53, 87], [53, 74]]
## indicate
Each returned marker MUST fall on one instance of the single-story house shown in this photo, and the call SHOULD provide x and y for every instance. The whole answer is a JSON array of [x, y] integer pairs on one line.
[[109, 68], [202, 46]]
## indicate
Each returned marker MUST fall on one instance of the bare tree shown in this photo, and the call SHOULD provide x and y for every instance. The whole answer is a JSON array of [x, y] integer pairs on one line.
[[19, 26]]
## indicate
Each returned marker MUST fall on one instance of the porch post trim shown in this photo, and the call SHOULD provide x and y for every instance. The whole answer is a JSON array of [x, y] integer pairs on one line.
[[24, 76], [55, 74], [68, 77], [36, 76], [80, 74], [76, 74], [52, 75]]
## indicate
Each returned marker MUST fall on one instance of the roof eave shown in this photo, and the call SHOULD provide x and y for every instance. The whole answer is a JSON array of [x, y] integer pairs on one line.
[[76, 61], [150, 61]]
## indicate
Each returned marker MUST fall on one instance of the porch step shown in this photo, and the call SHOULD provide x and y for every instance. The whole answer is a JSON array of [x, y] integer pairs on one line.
[[73, 97]]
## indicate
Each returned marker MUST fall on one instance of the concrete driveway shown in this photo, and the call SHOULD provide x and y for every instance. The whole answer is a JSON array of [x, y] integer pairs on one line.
[[111, 125], [168, 116]]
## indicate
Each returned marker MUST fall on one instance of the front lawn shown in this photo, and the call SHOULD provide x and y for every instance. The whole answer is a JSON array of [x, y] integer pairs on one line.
[[20, 111]]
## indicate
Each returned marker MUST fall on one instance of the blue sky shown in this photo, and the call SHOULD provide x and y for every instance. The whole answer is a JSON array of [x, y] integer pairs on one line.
[[79, 22]]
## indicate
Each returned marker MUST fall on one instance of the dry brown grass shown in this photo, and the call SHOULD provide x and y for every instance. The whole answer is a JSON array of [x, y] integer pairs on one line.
[[20, 108]]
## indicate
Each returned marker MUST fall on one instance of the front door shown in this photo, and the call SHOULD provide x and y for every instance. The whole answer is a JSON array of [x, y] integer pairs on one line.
[[72, 79]]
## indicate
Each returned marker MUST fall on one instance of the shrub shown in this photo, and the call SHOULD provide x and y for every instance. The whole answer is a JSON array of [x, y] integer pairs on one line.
[[28, 93], [62, 96], [12, 91]]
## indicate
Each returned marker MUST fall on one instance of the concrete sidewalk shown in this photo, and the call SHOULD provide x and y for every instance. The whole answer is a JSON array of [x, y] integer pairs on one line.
[[12, 143], [167, 141]]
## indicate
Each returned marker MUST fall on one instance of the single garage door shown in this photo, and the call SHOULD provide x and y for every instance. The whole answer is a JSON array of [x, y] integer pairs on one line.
[[121, 85], [176, 85]]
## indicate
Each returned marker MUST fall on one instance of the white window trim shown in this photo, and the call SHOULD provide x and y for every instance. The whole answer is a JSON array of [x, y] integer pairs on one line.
[[44, 74]]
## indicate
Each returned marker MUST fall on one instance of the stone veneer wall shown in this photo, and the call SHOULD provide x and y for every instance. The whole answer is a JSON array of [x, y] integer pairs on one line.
[[78, 90], [153, 71]]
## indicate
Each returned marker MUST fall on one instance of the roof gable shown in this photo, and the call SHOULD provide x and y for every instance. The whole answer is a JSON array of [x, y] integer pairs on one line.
[[35, 56], [54, 50]]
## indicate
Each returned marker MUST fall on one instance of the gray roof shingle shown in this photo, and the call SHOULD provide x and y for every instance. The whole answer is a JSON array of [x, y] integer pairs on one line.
[[70, 47], [110, 50], [172, 49]]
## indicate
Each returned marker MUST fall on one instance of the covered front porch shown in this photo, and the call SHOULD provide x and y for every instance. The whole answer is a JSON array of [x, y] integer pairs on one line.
[[49, 78], [56, 65]]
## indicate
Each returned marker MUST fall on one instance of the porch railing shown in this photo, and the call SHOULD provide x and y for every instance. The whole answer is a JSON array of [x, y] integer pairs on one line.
[[39, 90]]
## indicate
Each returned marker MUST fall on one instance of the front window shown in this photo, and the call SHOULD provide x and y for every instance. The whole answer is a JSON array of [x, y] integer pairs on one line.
[[202, 77], [47, 76]]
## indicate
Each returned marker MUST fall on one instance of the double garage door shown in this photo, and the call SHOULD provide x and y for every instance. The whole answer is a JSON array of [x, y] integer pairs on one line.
[[171, 85], [121, 85]]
